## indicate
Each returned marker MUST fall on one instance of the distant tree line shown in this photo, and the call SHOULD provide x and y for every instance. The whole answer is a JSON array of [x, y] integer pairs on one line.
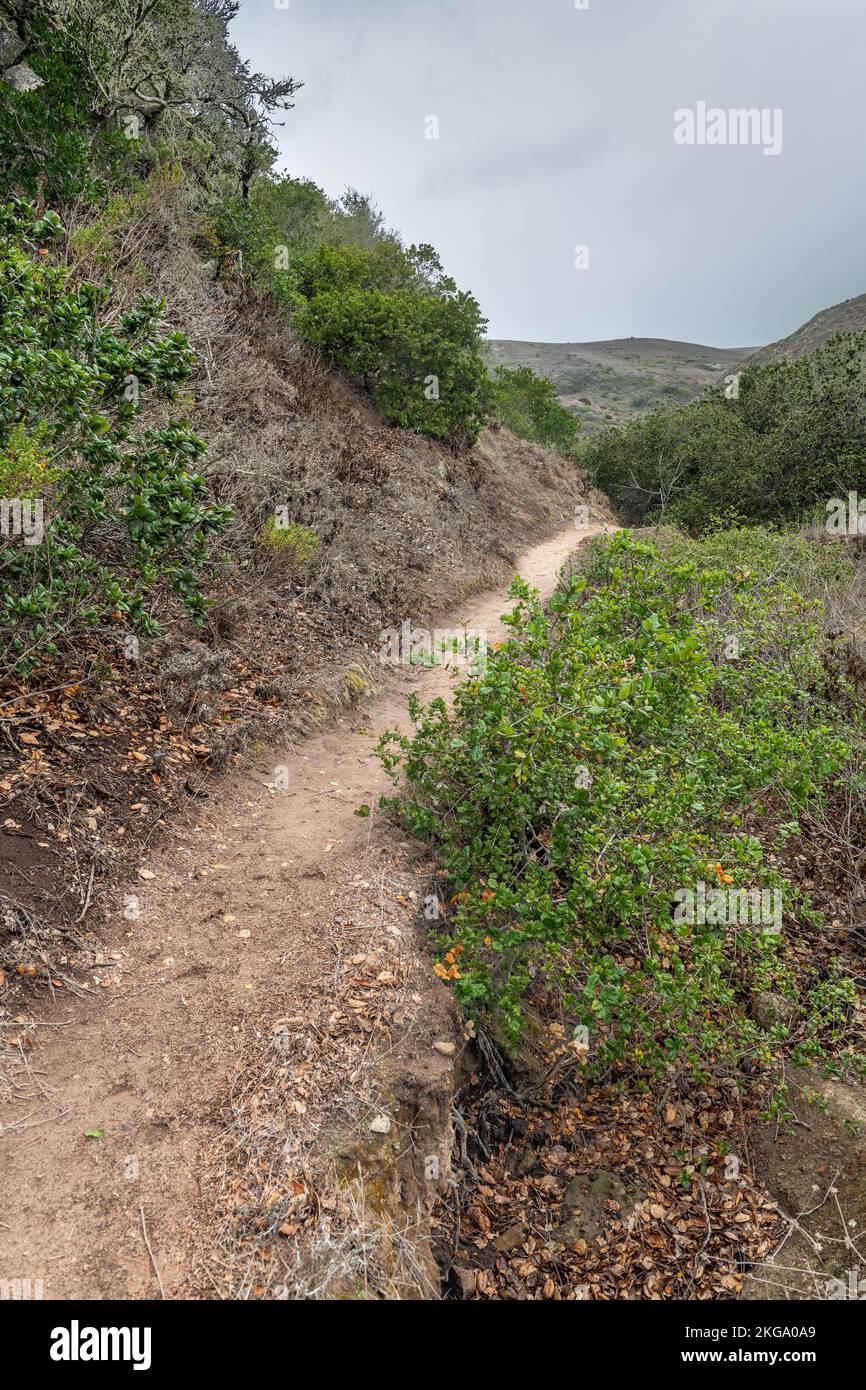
[[775, 444]]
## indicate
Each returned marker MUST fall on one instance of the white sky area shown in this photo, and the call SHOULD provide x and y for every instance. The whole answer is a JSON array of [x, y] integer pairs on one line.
[[556, 130]]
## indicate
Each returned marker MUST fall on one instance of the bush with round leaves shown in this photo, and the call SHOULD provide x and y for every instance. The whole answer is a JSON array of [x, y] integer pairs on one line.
[[610, 754], [124, 506]]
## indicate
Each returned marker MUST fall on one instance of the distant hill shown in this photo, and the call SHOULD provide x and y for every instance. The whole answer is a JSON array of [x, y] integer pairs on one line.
[[847, 317], [611, 382]]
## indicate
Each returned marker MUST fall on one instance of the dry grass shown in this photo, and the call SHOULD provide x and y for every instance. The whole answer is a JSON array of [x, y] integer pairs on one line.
[[819, 1256], [312, 1202]]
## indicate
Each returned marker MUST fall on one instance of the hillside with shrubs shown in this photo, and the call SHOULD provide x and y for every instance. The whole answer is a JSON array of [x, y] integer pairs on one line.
[[251, 425], [775, 443], [245, 431]]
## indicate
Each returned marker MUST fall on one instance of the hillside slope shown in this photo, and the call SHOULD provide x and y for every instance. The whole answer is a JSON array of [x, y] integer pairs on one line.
[[612, 381], [847, 317], [618, 379]]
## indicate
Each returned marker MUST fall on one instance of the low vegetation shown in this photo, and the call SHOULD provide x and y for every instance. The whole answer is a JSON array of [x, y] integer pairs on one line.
[[385, 313], [527, 405], [776, 443], [611, 382], [664, 725], [123, 507]]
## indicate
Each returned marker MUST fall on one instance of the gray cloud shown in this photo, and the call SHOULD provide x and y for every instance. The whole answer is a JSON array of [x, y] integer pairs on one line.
[[494, 167], [556, 129]]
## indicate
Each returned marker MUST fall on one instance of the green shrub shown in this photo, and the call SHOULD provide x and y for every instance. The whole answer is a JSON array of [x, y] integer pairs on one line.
[[527, 404], [293, 542], [790, 438], [126, 507], [611, 754], [49, 142], [385, 313], [392, 318]]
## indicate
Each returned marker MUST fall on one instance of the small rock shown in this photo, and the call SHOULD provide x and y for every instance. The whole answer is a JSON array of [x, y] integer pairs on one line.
[[587, 1197], [446, 1048], [771, 1009], [525, 1163], [380, 1125], [23, 78]]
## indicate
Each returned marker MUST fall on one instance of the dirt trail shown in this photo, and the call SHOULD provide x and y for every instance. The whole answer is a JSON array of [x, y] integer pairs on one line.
[[233, 930]]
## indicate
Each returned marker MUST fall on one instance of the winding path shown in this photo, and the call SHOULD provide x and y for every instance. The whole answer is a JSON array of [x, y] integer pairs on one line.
[[233, 930]]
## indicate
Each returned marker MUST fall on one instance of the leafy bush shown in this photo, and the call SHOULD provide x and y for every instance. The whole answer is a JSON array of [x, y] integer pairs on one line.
[[126, 507], [48, 142], [293, 542], [527, 404], [609, 755], [792, 438], [127, 84], [415, 354], [385, 313]]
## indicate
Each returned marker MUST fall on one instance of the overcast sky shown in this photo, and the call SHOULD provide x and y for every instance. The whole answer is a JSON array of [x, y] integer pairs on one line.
[[556, 130]]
